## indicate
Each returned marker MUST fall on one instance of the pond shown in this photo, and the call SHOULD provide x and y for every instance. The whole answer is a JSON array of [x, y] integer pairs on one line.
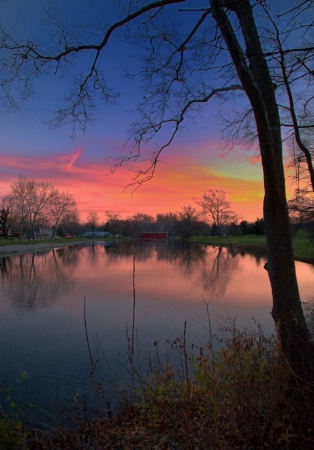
[[64, 309]]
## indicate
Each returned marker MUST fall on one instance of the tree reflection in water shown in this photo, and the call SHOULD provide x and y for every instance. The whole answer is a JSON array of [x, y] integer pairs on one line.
[[173, 279], [36, 280], [215, 276]]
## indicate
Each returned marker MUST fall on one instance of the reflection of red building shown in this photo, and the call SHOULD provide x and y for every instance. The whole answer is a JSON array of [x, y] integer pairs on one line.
[[153, 235]]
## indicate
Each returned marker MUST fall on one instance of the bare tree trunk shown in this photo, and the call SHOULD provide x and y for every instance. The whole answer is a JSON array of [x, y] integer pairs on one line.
[[254, 75]]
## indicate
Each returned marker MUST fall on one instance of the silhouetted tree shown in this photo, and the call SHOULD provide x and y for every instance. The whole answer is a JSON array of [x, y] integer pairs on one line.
[[217, 209], [224, 36], [259, 227], [92, 221], [5, 216], [60, 206], [167, 222], [189, 221]]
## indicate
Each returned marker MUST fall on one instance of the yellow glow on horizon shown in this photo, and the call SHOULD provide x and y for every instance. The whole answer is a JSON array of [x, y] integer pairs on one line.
[[177, 181]]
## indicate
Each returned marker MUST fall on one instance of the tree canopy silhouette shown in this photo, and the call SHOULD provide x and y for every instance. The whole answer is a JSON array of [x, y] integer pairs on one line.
[[193, 53]]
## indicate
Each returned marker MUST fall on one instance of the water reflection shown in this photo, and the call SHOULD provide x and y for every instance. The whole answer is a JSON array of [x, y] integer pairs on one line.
[[37, 280], [216, 275], [172, 282]]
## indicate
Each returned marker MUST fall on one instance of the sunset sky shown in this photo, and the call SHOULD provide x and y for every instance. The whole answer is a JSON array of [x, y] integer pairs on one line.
[[195, 162]]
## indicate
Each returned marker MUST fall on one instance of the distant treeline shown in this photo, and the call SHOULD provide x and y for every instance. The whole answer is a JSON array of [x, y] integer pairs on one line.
[[34, 210]]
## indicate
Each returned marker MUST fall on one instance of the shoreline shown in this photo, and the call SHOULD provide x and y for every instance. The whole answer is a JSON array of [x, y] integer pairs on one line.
[[35, 246], [12, 250]]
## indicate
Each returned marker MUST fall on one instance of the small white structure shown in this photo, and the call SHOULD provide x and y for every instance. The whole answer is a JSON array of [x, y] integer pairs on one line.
[[98, 234]]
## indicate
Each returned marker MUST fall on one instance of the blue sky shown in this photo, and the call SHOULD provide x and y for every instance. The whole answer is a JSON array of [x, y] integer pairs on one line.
[[78, 164]]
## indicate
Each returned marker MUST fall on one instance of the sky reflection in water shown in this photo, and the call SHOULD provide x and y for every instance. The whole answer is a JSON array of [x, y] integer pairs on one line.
[[42, 307]]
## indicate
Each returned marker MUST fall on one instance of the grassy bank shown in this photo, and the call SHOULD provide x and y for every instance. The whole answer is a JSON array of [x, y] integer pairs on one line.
[[303, 244], [237, 397], [16, 241]]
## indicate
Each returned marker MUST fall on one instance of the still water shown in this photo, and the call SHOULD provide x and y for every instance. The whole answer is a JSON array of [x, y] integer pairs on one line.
[[45, 337]]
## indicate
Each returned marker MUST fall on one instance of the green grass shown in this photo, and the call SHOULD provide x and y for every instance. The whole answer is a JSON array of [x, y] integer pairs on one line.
[[303, 245]]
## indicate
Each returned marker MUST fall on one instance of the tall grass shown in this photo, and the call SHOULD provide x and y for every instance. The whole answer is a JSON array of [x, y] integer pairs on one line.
[[231, 393]]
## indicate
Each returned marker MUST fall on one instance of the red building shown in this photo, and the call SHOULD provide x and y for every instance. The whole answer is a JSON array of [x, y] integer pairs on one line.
[[153, 235]]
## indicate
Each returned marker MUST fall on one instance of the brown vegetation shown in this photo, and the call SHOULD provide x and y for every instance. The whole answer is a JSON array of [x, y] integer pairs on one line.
[[235, 397]]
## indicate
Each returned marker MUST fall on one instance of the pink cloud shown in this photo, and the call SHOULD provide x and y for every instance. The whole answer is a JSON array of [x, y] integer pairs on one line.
[[179, 179], [256, 159]]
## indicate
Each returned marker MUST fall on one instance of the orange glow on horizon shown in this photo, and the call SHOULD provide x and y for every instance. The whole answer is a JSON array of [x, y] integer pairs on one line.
[[179, 180]]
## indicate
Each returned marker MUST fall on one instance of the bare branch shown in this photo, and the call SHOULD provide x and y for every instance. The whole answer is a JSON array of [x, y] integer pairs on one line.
[[151, 129], [23, 61]]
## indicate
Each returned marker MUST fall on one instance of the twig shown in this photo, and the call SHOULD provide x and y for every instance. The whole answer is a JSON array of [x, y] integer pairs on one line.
[[187, 383], [133, 323], [84, 383], [87, 340]]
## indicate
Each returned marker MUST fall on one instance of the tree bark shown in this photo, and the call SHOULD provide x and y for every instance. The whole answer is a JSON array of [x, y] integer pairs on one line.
[[254, 75]]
